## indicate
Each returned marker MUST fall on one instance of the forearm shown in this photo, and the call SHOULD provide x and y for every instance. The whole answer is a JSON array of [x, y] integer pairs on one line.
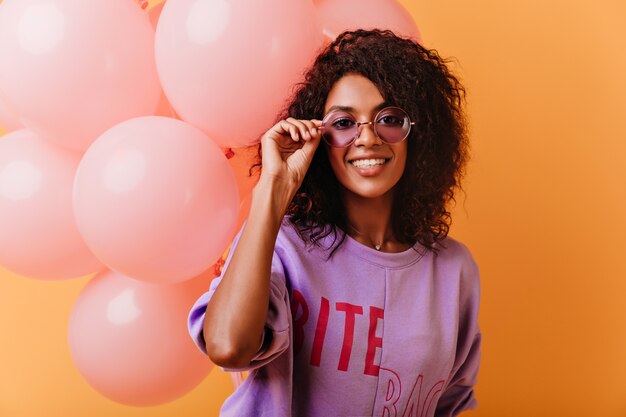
[[235, 316]]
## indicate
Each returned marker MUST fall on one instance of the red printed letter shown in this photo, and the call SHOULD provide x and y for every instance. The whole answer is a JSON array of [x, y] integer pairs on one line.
[[298, 324], [394, 389], [320, 332], [415, 407], [348, 333], [373, 341], [413, 403]]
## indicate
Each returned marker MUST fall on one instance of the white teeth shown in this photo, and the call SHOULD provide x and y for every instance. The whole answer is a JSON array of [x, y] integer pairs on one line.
[[367, 163]]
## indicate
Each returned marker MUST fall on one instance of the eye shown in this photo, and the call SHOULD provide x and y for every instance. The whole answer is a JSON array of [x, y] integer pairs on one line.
[[343, 123], [391, 120]]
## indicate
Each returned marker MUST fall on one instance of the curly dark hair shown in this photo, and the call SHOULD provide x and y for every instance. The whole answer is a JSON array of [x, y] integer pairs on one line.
[[409, 76]]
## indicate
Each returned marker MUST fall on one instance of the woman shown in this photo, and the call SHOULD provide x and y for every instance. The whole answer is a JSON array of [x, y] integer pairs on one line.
[[342, 294]]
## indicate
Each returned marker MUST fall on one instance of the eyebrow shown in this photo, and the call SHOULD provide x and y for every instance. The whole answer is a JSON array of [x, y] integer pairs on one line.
[[351, 109]]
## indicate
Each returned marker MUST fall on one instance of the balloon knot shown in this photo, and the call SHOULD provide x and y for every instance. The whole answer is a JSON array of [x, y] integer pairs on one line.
[[229, 153], [218, 266]]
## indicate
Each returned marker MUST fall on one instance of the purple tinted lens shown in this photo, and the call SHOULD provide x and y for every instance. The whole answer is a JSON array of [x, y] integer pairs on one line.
[[392, 124], [340, 129]]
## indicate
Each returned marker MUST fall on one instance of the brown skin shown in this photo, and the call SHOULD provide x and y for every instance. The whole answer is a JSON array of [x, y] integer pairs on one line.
[[236, 315], [368, 200], [419, 81]]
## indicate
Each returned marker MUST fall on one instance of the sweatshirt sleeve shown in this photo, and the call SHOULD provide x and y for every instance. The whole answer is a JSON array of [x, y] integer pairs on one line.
[[276, 335], [458, 395]]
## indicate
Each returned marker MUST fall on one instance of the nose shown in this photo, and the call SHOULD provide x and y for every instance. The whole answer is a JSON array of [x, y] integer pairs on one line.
[[366, 136]]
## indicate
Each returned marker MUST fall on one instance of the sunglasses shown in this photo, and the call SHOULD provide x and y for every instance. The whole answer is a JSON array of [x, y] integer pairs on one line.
[[340, 129]]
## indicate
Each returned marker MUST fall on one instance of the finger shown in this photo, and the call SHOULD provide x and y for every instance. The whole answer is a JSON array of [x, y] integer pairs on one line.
[[310, 147], [310, 127], [317, 127], [309, 124], [293, 130], [289, 129], [302, 128], [313, 126]]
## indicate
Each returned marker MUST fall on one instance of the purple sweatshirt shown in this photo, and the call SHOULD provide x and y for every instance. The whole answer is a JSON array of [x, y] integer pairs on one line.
[[365, 333]]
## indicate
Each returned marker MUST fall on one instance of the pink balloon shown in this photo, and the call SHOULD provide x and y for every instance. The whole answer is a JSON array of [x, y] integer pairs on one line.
[[155, 199], [337, 16], [8, 118], [129, 339], [39, 238], [72, 69], [228, 66]]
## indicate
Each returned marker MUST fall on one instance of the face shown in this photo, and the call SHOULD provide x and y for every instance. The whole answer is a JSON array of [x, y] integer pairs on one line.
[[360, 97]]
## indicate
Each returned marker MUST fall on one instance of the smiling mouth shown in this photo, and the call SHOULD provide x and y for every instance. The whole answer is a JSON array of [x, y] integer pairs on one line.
[[369, 163]]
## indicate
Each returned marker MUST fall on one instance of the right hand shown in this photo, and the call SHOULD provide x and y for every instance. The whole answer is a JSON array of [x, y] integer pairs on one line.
[[288, 148]]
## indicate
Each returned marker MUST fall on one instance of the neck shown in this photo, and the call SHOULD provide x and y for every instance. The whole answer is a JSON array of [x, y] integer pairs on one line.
[[369, 219]]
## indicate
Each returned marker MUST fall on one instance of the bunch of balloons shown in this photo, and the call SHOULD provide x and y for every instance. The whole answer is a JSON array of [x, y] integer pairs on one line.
[[121, 116]]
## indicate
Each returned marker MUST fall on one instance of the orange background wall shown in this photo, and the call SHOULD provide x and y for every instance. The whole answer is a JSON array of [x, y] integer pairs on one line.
[[543, 214]]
